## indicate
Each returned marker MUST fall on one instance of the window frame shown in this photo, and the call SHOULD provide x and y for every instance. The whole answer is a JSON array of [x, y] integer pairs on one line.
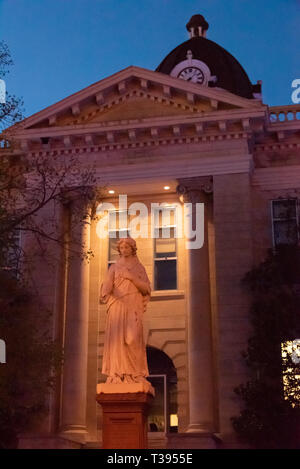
[[276, 219], [165, 258]]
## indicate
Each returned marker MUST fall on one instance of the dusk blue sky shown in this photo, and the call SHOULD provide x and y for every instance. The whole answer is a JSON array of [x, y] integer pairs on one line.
[[62, 46]]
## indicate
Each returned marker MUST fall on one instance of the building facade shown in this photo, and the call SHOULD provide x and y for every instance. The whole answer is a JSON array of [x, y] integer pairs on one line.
[[193, 131]]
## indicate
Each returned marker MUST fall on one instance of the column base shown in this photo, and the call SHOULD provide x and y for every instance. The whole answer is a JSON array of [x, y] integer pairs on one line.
[[46, 441], [124, 417], [77, 433], [197, 428], [192, 440]]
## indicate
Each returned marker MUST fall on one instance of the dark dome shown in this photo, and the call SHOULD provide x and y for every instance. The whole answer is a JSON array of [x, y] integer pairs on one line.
[[230, 74]]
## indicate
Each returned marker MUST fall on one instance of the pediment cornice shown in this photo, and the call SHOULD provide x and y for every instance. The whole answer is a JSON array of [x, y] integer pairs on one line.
[[137, 108], [150, 84]]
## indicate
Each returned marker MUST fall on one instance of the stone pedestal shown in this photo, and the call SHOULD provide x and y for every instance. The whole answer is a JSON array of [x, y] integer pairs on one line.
[[125, 410]]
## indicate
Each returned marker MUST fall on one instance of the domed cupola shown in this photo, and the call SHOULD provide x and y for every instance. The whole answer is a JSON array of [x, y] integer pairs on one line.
[[202, 61]]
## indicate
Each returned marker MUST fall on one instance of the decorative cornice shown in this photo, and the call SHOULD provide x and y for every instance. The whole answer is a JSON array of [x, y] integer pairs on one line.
[[98, 91], [133, 144], [271, 146], [197, 119]]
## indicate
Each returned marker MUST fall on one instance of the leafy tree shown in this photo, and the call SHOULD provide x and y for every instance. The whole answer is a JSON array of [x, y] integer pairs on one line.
[[271, 414], [12, 110], [33, 360], [29, 187], [30, 184]]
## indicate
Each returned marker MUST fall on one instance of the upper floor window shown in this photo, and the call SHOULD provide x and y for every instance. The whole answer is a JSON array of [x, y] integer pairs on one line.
[[164, 243], [165, 249], [285, 221]]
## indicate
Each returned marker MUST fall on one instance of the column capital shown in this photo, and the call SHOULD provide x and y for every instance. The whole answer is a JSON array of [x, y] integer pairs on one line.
[[193, 189]]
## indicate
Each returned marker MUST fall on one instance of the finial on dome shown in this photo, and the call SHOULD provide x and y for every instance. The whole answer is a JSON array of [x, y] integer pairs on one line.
[[189, 55], [197, 26]]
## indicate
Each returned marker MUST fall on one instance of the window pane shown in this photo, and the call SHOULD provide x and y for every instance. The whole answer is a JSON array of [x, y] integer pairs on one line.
[[165, 243], [165, 247], [165, 275], [285, 209], [164, 232], [285, 232], [113, 254], [115, 217], [165, 216]]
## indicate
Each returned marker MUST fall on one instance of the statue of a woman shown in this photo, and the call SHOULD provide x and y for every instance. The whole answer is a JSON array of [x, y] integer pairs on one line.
[[126, 291]]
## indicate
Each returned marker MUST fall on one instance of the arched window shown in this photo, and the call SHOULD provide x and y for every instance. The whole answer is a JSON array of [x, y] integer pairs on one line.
[[163, 376]]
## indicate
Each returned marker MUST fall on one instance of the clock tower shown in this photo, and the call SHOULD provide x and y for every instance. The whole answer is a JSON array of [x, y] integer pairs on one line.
[[202, 61]]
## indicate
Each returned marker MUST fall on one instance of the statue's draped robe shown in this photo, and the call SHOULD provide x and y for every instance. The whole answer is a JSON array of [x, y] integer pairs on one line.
[[124, 348]]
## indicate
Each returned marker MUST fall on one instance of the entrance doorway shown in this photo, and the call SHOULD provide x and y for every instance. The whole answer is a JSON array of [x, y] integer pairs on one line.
[[163, 377]]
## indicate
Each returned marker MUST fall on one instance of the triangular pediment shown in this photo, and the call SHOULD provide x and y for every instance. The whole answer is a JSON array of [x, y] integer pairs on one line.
[[135, 105], [136, 94], [138, 108]]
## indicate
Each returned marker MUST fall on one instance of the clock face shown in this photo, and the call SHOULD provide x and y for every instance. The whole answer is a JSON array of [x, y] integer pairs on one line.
[[193, 74]]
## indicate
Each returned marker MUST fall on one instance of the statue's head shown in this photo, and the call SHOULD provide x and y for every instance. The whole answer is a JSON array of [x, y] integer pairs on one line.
[[129, 242]]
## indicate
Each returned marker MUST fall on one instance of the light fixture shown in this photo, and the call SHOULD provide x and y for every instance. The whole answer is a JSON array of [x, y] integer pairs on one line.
[[173, 420], [166, 188], [111, 191]]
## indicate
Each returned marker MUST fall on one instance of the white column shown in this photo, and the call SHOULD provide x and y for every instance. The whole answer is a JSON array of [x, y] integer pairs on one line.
[[200, 359], [74, 389]]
